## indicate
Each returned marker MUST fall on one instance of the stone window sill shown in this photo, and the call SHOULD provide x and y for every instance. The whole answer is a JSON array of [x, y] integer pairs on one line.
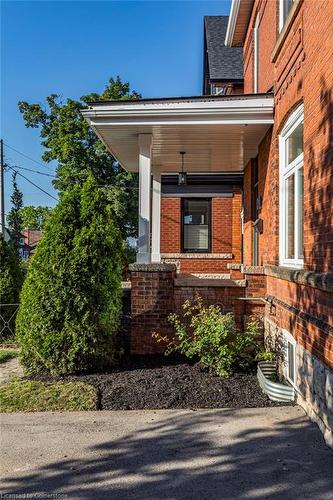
[[196, 256]]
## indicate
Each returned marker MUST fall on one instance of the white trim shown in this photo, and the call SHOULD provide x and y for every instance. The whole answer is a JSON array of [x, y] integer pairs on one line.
[[232, 22], [288, 338], [282, 18], [228, 111], [156, 218], [145, 143], [285, 170], [256, 54]]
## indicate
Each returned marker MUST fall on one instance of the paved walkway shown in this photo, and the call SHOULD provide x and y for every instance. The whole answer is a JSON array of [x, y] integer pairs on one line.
[[10, 369], [264, 453]]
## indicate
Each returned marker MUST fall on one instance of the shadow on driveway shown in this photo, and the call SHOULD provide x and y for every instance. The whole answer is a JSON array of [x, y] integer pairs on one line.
[[263, 453]]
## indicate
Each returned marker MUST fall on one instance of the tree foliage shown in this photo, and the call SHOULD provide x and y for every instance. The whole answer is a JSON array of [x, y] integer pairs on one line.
[[70, 141], [10, 282], [34, 217], [71, 298], [14, 218]]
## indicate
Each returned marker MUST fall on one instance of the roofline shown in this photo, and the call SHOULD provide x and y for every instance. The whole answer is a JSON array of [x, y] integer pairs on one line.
[[207, 98], [245, 109], [238, 7]]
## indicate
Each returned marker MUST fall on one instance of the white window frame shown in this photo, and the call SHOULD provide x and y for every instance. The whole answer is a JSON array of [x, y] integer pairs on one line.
[[282, 18], [289, 339], [286, 170], [255, 54]]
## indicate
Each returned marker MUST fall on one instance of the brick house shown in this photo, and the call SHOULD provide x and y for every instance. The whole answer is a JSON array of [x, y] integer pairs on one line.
[[235, 191], [28, 242]]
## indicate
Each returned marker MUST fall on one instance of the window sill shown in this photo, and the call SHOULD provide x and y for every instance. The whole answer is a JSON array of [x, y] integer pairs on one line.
[[196, 256], [285, 30]]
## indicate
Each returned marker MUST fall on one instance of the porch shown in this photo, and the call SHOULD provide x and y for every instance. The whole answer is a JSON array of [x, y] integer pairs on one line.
[[208, 140], [190, 155]]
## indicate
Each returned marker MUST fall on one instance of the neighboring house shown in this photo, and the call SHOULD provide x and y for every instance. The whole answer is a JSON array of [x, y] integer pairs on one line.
[[245, 216], [28, 242], [223, 66]]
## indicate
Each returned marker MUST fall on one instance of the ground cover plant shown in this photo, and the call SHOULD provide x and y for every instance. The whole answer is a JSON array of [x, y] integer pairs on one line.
[[34, 395], [5, 355], [71, 299], [205, 333]]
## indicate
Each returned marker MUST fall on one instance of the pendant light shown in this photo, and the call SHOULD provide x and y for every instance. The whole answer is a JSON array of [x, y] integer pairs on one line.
[[182, 180]]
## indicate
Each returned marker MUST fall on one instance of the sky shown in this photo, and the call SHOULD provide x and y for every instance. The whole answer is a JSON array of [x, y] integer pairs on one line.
[[72, 48]]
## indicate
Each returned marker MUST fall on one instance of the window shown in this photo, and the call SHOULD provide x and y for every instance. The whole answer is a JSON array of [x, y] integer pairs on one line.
[[256, 55], [217, 89], [196, 225], [289, 357], [284, 9], [292, 191]]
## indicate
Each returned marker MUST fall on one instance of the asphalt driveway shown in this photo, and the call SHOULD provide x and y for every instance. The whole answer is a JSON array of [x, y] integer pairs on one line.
[[260, 453]]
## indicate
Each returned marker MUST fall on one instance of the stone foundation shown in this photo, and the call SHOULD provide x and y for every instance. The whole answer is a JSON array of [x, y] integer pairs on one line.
[[315, 391], [314, 382]]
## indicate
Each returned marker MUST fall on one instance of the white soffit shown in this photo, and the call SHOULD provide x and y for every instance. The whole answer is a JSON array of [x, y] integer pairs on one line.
[[240, 14], [217, 135]]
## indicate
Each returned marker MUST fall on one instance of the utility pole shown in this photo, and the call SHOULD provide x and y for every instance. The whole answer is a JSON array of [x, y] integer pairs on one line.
[[2, 191]]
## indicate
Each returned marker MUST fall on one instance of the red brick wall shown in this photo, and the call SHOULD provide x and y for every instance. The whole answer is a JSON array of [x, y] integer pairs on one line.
[[226, 233], [313, 333], [170, 225], [302, 71], [225, 297], [152, 301]]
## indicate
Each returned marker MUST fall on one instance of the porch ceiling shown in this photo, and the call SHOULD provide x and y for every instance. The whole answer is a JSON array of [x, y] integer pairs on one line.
[[217, 134]]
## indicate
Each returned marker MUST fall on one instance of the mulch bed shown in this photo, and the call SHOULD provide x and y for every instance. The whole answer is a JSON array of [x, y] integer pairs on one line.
[[159, 382]]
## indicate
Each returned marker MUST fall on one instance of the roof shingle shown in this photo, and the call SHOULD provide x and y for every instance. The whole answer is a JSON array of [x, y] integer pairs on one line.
[[225, 63]]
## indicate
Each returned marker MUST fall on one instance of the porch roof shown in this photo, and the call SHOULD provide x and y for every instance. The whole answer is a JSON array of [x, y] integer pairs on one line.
[[218, 133]]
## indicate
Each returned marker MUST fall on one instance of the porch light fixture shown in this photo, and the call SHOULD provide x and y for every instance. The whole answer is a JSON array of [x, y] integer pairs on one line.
[[182, 180]]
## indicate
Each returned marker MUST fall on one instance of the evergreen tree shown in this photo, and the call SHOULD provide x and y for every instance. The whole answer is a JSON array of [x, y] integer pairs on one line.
[[71, 299], [14, 217], [10, 285]]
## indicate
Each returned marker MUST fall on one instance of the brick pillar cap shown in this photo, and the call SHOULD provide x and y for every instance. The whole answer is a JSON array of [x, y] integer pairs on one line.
[[152, 268]]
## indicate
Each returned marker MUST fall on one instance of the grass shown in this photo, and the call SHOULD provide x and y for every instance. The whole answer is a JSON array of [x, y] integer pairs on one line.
[[5, 355], [32, 395]]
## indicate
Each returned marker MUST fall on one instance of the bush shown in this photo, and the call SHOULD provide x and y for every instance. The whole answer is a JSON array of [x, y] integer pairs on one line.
[[212, 337], [10, 285], [71, 298]]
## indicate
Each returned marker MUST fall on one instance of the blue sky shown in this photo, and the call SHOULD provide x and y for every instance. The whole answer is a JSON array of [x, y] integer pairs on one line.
[[73, 47]]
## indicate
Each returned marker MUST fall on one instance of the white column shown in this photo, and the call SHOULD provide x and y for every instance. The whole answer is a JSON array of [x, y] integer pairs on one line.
[[143, 255], [156, 218]]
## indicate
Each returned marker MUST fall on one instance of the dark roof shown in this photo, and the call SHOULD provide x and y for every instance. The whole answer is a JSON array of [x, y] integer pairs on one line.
[[224, 63]]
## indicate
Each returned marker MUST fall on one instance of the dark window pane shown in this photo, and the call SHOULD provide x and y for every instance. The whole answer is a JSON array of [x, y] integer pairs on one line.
[[196, 225], [291, 355]]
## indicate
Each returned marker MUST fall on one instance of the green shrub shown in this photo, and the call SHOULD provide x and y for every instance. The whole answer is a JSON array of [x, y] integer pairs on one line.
[[210, 336], [10, 286], [71, 298]]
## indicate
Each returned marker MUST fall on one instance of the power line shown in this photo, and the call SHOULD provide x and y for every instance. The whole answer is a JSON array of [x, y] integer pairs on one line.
[[28, 157], [35, 185], [30, 170]]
